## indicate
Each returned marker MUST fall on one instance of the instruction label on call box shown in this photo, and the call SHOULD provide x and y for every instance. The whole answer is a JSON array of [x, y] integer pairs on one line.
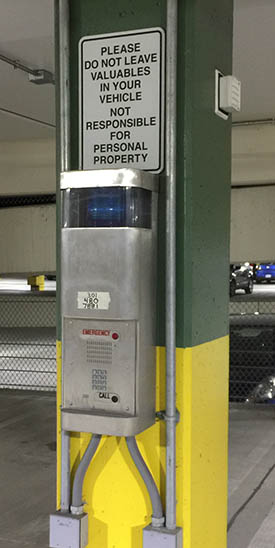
[[121, 100]]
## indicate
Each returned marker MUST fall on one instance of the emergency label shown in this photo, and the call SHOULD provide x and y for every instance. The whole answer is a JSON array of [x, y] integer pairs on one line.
[[93, 300], [121, 100]]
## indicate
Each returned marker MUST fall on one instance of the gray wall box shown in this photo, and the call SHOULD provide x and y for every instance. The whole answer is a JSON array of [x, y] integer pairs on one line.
[[162, 538], [68, 531]]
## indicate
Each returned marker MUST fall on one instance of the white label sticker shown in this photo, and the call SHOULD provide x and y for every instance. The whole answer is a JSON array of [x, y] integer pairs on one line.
[[93, 300], [121, 100]]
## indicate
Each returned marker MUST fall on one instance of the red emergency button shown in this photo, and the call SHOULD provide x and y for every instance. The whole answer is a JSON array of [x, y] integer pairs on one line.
[[115, 336]]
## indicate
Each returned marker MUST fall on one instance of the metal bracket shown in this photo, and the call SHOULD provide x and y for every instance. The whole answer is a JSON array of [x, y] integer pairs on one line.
[[161, 415], [77, 510], [37, 76], [41, 76]]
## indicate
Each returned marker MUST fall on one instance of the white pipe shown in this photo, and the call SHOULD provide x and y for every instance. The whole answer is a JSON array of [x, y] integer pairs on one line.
[[171, 142]]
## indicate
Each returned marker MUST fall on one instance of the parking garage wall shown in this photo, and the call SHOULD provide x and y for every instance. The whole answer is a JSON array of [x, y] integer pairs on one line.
[[27, 243], [252, 224], [27, 167], [253, 192]]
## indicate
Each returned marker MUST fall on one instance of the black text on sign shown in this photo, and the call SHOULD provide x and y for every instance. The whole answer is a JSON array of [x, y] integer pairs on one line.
[[122, 100]]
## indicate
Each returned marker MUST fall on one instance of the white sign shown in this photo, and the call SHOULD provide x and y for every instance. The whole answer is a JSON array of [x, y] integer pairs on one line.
[[121, 100], [93, 300]]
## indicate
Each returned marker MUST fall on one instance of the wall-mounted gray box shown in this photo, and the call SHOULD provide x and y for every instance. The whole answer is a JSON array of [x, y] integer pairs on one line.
[[68, 530], [161, 537]]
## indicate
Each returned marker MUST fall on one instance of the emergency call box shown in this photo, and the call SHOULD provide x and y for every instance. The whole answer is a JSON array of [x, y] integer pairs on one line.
[[108, 299]]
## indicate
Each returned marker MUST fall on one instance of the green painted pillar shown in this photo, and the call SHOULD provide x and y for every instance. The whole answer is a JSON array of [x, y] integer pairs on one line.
[[204, 173], [117, 502]]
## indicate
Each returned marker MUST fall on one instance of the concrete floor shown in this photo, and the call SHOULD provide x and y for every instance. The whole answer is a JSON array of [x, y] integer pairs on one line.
[[251, 516], [27, 468], [27, 473]]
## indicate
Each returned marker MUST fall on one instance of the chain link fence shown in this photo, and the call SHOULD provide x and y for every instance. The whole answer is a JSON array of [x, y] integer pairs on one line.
[[27, 341], [28, 355], [252, 351], [243, 307]]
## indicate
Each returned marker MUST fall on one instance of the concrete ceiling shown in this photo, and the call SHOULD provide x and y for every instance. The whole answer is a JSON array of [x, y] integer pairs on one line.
[[27, 34]]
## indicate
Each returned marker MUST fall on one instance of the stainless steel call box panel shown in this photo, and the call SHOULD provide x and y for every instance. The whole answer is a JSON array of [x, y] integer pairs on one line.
[[108, 266]]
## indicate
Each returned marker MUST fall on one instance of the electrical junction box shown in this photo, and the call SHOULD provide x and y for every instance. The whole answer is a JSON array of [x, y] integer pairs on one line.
[[108, 299], [227, 95], [160, 537], [68, 530]]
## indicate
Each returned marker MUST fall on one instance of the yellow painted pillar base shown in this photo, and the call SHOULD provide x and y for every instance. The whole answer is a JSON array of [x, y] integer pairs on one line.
[[116, 499]]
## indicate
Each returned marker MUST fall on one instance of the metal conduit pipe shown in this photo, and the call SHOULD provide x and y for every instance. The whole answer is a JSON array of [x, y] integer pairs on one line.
[[64, 82], [264, 122], [65, 472], [17, 65], [77, 503], [62, 24], [37, 76], [25, 117], [157, 514], [171, 142]]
